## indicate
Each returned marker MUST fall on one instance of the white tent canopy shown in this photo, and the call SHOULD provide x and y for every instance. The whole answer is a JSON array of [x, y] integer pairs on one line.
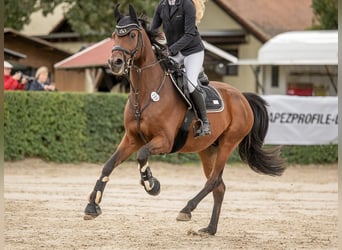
[[298, 48]]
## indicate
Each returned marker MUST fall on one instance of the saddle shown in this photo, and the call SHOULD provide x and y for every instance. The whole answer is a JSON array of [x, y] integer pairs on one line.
[[212, 98]]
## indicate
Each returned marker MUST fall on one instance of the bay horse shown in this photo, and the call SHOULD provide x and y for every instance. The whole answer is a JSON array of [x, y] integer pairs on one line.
[[155, 111]]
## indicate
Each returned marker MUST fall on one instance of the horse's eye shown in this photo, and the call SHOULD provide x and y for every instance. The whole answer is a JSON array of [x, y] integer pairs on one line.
[[132, 34]]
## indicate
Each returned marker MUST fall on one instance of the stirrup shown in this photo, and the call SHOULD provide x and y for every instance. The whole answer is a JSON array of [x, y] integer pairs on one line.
[[201, 129]]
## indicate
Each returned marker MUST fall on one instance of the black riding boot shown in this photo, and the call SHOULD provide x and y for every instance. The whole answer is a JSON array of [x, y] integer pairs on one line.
[[198, 100]]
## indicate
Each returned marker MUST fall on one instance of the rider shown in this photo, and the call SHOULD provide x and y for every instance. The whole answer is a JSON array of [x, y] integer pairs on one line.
[[179, 19]]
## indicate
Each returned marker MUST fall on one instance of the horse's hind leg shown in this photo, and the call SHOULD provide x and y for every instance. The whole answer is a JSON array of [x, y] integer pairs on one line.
[[218, 194], [213, 165], [208, 158]]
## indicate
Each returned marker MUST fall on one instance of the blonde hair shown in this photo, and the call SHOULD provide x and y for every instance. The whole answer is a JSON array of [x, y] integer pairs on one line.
[[200, 8], [41, 70]]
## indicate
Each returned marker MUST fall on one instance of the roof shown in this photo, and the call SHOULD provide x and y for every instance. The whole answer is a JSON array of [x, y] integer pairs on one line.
[[44, 44], [13, 54], [265, 18], [299, 48], [94, 56], [97, 55]]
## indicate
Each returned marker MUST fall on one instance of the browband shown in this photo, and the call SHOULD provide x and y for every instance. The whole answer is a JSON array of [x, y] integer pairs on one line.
[[122, 30]]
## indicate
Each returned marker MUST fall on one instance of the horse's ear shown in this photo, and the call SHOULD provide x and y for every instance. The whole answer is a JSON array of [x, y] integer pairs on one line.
[[117, 13], [133, 14]]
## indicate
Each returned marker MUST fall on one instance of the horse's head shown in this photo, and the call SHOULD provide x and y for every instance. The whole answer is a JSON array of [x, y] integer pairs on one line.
[[127, 39]]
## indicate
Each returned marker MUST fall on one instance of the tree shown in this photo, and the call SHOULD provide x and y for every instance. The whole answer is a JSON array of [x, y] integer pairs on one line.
[[95, 18], [17, 14], [326, 12], [92, 19]]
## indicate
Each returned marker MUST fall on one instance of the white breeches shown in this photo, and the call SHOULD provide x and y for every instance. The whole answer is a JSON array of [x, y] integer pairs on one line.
[[193, 65]]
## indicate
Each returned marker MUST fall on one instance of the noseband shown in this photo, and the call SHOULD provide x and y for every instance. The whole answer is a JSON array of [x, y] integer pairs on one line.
[[123, 31]]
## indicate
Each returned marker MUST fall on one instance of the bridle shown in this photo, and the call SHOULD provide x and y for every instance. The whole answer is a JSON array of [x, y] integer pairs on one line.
[[123, 31], [129, 66]]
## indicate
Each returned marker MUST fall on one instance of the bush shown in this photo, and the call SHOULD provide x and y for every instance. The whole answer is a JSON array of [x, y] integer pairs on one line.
[[104, 125], [315, 154], [46, 125], [79, 127], [62, 127]]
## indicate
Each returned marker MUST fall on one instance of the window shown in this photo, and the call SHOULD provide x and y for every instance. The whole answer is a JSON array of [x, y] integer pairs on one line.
[[275, 76]]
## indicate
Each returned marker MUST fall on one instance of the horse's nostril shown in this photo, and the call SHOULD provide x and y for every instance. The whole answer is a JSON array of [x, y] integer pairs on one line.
[[118, 62]]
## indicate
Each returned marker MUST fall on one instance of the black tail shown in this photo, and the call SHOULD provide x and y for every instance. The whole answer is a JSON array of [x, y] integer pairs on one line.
[[250, 148]]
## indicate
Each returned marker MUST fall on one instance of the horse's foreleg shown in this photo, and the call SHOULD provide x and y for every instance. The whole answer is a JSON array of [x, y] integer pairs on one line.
[[157, 145], [150, 183], [93, 209]]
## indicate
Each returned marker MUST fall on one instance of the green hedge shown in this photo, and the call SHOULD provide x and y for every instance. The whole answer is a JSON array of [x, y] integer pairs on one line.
[[77, 127], [62, 127]]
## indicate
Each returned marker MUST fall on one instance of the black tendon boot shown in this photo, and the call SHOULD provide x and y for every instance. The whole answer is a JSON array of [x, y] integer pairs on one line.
[[203, 78], [93, 209], [198, 100]]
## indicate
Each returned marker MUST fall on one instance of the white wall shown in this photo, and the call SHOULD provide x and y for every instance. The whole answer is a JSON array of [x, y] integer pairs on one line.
[[216, 19]]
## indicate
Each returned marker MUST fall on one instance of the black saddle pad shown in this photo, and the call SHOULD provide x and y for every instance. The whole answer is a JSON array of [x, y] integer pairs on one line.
[[213, 100]]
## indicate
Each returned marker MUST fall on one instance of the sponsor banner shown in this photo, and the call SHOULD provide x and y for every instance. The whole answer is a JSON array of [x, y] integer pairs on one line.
[[299, 120]]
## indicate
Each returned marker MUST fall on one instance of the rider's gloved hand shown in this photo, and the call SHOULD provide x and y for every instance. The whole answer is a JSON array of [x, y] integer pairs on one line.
[[172, 52]]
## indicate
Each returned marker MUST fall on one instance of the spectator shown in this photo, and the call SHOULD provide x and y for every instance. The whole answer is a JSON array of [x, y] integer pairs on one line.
[[41, 81], [15, 82]]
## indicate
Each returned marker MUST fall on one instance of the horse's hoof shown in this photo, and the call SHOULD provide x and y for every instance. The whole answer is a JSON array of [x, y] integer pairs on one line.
[[92, 211], [207, 231], [89, 217], [183, 217], [156, 188]]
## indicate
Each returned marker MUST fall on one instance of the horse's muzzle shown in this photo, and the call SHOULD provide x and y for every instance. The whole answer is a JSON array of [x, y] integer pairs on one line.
[[117, 66]]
